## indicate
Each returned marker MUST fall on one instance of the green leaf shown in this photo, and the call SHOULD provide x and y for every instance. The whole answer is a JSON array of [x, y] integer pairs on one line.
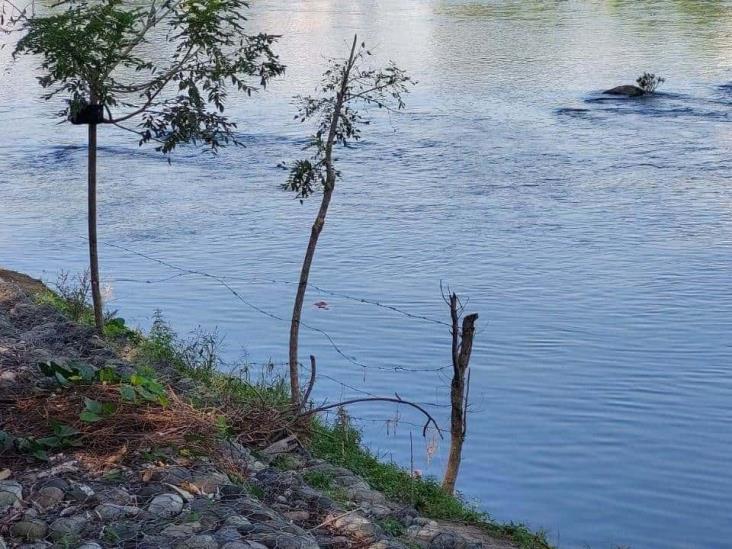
[[127, 392], [112, 475], [62, 430], [6, 440], [48, 368], [61, 379], [147, 395], [154, 387], [49, 442], [107, 375], [24, 444], [93, 406], [86, 372], [40, 454], [89, 417]]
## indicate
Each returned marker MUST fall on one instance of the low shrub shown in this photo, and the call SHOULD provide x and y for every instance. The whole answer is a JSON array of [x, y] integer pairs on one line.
[[649, 82]]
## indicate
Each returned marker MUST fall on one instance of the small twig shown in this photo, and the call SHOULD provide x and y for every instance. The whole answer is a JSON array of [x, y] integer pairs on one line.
[[330, 520], [311, 383]]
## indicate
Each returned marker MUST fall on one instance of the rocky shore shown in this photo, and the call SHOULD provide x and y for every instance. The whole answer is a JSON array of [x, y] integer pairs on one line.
[[163, 499]]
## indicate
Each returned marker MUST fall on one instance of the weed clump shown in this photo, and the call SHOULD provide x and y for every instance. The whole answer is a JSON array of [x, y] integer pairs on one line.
[[256, 412], [649, 82], [72, 298]]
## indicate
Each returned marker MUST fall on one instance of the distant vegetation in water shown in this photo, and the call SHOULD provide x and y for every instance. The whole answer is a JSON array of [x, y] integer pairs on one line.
[[649, 82]]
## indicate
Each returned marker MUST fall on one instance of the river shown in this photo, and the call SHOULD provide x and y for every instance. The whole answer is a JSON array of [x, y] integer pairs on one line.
[[593, 236]]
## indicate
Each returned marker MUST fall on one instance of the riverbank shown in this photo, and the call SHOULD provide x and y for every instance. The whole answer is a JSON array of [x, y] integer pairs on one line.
[[137, 440]]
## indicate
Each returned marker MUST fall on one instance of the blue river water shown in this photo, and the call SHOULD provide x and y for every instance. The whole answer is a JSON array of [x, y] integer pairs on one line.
[[593, 236]]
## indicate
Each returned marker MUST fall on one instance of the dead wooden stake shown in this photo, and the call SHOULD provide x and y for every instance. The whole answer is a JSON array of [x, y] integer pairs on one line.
[[462, 347]]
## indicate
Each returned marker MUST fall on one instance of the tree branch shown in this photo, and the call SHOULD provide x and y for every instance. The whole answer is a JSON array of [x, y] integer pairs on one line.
[[311, 383], [397, 399], [152, 96]]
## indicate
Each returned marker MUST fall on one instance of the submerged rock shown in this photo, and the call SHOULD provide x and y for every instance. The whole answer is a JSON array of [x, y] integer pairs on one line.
[[628, 91]]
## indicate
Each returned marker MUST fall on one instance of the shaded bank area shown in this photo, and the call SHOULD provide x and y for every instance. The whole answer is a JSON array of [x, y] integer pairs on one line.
[[134, 441]]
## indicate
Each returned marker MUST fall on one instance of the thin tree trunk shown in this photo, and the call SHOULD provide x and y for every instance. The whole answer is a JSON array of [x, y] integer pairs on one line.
[[458, 394], [317, 228], [92, 220], [300, 297]]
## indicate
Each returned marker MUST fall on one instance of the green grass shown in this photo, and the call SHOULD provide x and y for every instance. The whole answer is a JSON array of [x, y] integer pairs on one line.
[[342, 446], [284, 462], [318, 480], [162, 348], [392, 526], [114, 326]]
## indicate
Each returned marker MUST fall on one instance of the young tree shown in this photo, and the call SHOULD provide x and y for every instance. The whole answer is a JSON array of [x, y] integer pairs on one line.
[[346, 87], [97, 55]]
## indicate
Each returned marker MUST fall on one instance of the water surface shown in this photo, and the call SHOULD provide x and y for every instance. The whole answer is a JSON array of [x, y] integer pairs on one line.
[[592, 235]]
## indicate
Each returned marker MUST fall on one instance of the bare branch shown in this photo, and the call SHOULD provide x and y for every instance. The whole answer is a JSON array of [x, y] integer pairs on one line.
[[397, 399], [311, 384]]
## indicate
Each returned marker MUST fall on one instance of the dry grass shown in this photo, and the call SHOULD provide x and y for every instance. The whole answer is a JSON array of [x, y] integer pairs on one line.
[[131, 427], [134, 428]]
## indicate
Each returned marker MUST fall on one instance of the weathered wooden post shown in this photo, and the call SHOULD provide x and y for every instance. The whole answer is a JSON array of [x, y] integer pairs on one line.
[[462, 347]]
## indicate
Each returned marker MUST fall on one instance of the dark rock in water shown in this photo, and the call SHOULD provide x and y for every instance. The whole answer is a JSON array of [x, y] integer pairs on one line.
[[628, 91]]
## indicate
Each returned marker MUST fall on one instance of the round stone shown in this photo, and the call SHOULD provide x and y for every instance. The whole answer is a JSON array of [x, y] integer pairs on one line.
[[166, 505], [110, 511], [48, 497], [68, 526], [198, 542], [29, 529]]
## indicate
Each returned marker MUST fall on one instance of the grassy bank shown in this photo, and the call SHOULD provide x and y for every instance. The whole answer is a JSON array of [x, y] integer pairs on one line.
[[257, 411]]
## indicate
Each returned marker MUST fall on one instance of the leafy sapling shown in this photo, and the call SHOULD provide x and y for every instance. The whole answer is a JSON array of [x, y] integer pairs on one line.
[[167, 65], [348, 88]]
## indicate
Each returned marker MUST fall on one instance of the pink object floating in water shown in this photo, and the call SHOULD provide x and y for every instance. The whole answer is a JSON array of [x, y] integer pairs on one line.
[[321, 305]]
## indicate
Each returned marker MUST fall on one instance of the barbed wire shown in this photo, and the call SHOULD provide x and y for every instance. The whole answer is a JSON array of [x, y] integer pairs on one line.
[[320, 289], [223, 282], [357, 299], [244, 369]]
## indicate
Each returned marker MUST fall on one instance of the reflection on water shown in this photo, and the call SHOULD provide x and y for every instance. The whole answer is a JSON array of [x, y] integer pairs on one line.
[[593, 235]]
